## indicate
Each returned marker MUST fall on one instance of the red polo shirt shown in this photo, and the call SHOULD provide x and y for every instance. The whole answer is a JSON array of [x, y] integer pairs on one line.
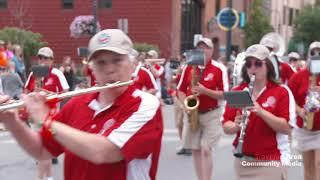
[[286, 72], [55, 82], [159, 68], [299, 85], [145, 80], [260, 141], [133, 123], [214, 77]]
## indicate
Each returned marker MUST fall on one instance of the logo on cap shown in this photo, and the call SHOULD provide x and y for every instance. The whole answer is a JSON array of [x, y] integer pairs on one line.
[[104, 38], [253, 49]]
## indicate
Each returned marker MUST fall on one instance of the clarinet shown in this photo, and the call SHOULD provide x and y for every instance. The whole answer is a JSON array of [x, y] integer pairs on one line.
[[239, 151]]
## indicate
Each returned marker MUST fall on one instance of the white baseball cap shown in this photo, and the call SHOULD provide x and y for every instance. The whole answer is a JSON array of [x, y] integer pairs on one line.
[[294, 55], [153, 54], [206, 41], [258, 51], [268, 43], [45, 51], [315, 44], [113, 40]]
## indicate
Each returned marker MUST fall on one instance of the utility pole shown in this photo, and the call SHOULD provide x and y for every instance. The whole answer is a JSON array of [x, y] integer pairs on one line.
[[94, 10], [229, 32]]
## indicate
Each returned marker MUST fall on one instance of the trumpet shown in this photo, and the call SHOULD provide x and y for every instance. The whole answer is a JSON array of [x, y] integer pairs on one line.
[[239, 149], [160, 61], [59, 97]]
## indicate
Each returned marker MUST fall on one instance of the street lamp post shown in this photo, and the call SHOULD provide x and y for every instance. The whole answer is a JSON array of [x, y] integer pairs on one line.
[[229, 32], [94, 10]]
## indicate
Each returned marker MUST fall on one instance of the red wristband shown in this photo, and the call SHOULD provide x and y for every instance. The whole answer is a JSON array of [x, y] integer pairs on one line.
[[46, 130]]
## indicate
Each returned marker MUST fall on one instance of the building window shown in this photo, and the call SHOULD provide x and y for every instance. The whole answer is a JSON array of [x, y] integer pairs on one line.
[[191, 22], [105, 4], [218, 6], [67, 4], [290, 16], [3, 4]]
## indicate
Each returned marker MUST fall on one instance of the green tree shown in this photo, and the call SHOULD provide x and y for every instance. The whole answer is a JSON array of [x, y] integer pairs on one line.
[[144, 47], [258, 23], [307, 25], [28, 40]]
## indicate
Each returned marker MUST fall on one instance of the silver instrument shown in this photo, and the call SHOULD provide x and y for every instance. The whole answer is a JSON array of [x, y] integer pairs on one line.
[[18, 104], [239, 149]]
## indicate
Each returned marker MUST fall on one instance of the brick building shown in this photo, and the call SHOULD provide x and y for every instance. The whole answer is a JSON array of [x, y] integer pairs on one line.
[[170, 24]]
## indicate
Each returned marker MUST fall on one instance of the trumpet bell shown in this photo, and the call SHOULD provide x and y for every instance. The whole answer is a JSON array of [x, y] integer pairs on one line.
[[192, 103]]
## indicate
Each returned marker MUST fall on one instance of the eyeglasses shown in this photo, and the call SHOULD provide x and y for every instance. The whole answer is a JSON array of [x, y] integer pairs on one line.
[[257, 64], [43, 57], [315, 53]]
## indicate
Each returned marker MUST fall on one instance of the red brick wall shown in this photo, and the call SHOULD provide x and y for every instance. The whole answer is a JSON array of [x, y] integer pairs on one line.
[[149, 21]]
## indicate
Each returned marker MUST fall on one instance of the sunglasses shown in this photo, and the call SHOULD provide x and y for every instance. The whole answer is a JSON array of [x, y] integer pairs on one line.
[[315, 53], [257, 64], [43, 57]]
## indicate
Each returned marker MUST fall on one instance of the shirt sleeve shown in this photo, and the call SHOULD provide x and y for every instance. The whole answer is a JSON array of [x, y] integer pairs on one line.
[[286, 106], [150, 82], [223, 84], [183, 82], [62, 82], [138, 135], [51, 144], [30, 83], [288, 71]]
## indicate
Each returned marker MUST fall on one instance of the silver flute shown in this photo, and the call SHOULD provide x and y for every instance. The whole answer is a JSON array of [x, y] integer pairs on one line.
[[239, 149], [20, 103]]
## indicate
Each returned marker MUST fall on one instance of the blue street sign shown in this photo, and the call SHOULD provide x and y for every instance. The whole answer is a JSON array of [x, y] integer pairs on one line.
[[223, 18], [242, 21]]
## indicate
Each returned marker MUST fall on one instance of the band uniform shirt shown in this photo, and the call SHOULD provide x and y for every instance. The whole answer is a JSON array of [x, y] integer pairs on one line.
[[278, 100], [214, 77], [299, 85], [159, 68], [133, 123], [286, 72], [145, 80], [55, 82]]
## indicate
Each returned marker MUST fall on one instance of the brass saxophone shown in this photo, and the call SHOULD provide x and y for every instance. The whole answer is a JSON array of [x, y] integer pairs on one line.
[[239, 149], [312, 104], [192, 103]]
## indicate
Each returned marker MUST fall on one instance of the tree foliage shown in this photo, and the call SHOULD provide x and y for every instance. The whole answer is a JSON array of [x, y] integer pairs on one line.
[[258, 23], [144, 47], [28, 40], [307, 25]]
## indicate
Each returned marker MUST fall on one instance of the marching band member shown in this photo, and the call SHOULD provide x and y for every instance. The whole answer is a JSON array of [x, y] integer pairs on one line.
[[142, 77], [114, 134], [55, 82], [268, 121], [179, 106], [308, 137], [295, 61], [212, 83], [282, 69], [156, 69]]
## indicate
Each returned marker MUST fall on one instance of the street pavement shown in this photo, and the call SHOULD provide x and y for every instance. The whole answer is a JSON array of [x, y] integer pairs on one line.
[[15, 164]]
